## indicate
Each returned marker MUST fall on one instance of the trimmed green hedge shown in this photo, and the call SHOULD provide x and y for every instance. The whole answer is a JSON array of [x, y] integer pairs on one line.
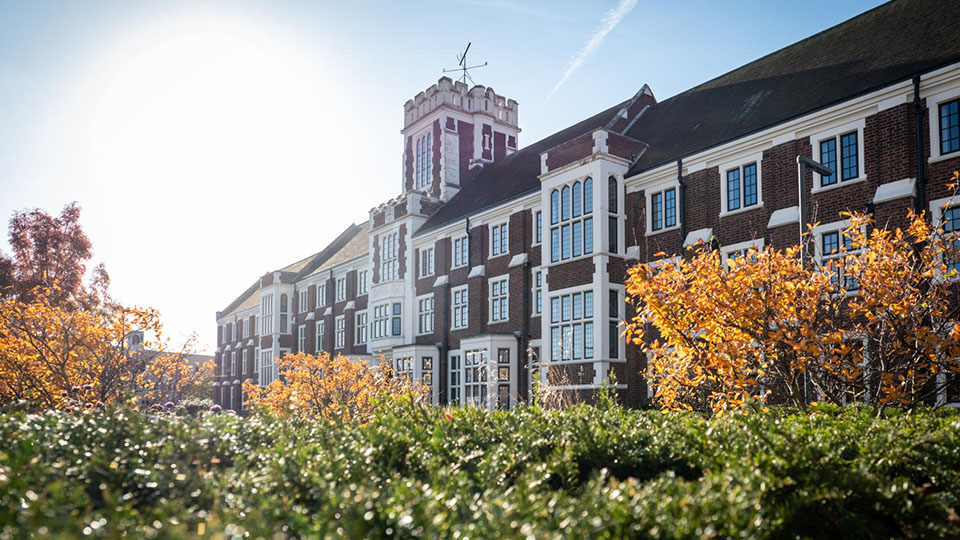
[[582, 473]]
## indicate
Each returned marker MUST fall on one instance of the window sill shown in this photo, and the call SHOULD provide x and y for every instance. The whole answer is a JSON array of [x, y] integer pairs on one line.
[[498, 255], [661, 231], [840, 184], [570, 259], [943, 157], [504, 321], [743, 210]]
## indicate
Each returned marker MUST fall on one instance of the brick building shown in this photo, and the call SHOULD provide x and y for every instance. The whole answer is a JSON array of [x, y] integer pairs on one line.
[[498, 263]]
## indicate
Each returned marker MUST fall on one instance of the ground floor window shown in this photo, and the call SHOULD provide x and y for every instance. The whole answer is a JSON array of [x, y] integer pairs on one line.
[[571, 326], [475, 378]]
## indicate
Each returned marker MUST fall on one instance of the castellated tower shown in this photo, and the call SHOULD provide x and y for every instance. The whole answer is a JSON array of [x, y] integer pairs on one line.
[[450, 132]]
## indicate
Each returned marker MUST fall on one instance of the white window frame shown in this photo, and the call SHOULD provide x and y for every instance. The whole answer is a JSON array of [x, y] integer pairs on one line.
[[233, 364], [267, 367], [321, 294], [755, 158], [340, 332], [499, 303], [389, 256], [318, 329], [933, 113], [426, 261], [461, 251], [726, 251], [835, 133], [537, 230], [381, 321], [302, 338], [594, 320], [537, 309], [360, 328], [423, 159], [649, 192], [361, 282], [821, 258], [500, 234], [244, 358], [460, 311], [937, 208], [587, 221], [302, 298], [341, 288], [426, 318], [266, 314]]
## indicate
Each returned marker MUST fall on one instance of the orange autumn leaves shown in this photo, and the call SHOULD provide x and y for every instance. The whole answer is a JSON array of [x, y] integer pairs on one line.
[[331, 387], [874, 324], [54, 355]]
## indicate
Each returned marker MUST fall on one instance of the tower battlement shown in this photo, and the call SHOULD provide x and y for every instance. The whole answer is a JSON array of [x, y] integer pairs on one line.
[[457, 95]]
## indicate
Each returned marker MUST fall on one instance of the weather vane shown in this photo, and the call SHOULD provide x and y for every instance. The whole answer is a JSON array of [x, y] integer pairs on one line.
[[462, 62]]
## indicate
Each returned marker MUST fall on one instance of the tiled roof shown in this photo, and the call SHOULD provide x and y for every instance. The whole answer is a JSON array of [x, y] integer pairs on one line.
[[883, 46], [345, 244], [356, 247]]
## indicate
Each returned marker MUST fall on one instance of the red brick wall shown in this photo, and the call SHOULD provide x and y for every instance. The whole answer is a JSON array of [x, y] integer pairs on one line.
[[570, 151], [437, 159], [465, 134], [571, 274]]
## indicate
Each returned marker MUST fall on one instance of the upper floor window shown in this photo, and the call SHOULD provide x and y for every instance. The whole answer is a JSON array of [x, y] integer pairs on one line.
[[341, 331], [321, 294], [341, 289], [460, 303], [571, 326], [499, 299], [571, 221], [233, 331], [397, 324], [302, 301], [283, 314], [742, 185], [537, 292], [319, 343], [426, 262], [301, 338], [360, 330], [266, 315], [381, 321], [425, 315], [841, 151], [461, 251], [537, 227], [243, 362], [663, 209], [389, 260], [424, 165], [949, 126], [361, 282], [499, 243]]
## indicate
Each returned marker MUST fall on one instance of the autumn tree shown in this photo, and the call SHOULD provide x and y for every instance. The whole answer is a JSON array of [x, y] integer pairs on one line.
[[325, 386], [874, 323], [64, 342]]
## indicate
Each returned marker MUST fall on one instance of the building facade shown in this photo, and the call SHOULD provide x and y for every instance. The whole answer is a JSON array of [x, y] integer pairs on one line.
[[499, 268]]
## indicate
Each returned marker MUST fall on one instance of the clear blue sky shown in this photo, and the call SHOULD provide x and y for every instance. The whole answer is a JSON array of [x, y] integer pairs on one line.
[[199, 136]]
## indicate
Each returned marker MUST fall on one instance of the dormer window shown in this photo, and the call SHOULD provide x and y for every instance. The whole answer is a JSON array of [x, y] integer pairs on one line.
[[424, 164]]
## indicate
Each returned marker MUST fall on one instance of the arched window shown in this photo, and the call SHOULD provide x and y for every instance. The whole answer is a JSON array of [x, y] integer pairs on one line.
[[587, 196], [577, 199], [554, 207], [612, 194], [283, 303], [571, 228]]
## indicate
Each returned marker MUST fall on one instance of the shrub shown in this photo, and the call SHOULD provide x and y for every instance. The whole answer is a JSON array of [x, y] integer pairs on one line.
[[434, 473]]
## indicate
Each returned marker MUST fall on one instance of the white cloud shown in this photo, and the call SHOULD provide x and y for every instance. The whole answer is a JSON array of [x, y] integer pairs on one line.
[[610, 21]]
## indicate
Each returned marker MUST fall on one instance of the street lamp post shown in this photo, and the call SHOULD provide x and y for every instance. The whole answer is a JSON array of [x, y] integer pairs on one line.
[[802, 163]]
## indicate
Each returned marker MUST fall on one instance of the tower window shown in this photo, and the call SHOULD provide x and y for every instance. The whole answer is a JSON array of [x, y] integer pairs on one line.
[[424, 161]]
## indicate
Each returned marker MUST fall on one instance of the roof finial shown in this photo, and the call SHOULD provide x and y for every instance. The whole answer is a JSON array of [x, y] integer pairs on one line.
[[462, 62]]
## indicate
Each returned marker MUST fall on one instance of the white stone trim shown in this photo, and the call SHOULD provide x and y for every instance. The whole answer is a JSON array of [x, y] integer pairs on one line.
[[784, 216], [517, 260], [693, 237], [892, 191], [476, 271], [441, 281], [755, 157]]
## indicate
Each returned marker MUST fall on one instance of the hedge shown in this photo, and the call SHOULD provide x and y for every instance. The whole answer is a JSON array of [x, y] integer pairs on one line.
[[437, 473]]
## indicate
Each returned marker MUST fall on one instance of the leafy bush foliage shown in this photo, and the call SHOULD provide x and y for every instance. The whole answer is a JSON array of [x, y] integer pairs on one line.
[[872, 321], [418, 472]]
